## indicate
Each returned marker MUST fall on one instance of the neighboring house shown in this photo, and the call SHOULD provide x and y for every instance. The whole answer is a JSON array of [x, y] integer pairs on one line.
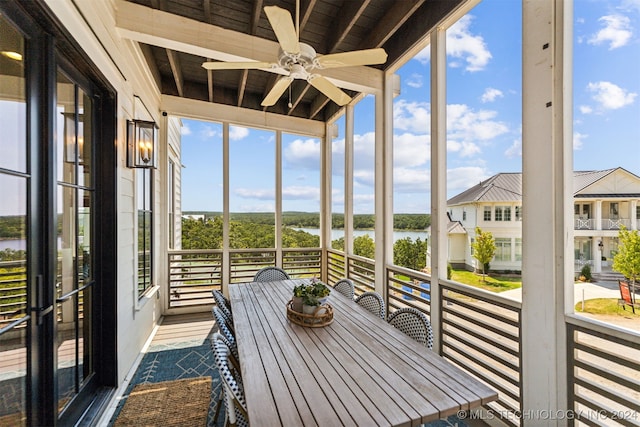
[[604, 201]]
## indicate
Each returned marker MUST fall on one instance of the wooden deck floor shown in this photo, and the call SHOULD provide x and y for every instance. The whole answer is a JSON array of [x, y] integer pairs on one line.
[[184, 327]]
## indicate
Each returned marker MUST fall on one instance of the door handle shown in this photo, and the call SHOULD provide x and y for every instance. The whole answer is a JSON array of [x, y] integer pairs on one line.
[[40, 311]]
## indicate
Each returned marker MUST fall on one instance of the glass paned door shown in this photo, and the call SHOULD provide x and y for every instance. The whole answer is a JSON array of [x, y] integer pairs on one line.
[[74, 284], [14, 212]]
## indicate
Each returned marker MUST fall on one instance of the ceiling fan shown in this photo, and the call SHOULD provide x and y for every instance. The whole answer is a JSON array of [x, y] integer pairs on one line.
[[299, 60]]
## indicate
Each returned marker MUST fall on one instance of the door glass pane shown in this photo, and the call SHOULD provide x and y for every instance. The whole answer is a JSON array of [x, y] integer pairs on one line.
[[85, 272], [13, 299], [83, 140], [66, 130], [66, 283], [13, 144], [13, 229]]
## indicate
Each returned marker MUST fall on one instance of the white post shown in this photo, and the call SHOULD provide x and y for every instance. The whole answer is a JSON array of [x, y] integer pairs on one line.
[[439, 236], [547, 185]]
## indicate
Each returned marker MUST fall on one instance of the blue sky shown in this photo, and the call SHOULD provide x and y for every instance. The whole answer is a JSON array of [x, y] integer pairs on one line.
[[484, 119]]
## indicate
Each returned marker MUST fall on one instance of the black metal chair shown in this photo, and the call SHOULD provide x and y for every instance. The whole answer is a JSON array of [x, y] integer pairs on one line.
[[232, 388], [270, 274], [222, 302], [345, 287], [414, 323], [373, 302]]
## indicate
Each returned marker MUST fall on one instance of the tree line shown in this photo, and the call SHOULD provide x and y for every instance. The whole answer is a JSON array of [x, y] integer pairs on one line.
[[312, 219]]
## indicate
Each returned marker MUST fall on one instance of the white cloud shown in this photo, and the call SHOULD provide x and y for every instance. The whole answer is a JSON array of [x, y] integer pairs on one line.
[[466, 124], [490, 94], [514, 150], [585, 109], [255, 207], [464, 148], [236, 133], [301, 193], [578, 140], [631, 5], [610, 96], [415, 80], [407, 180], [185, 130], [303, 154], [412, 116], [255, 193], [468, 48], [410, 150], [616, 31], [462, 178]]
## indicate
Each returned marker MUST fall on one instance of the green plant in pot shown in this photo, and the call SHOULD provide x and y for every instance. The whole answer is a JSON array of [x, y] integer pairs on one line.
[[309, 303], [298, 295], [319, 290]]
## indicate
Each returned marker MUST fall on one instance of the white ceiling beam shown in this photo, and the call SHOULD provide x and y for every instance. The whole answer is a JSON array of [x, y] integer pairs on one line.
[[158, 28], [203, 110]]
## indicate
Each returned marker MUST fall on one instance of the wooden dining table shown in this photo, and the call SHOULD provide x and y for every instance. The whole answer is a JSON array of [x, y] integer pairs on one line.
[[356, 371]]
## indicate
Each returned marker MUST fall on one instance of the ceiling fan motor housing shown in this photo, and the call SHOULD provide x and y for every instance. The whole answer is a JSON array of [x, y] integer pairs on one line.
[[305, 58]]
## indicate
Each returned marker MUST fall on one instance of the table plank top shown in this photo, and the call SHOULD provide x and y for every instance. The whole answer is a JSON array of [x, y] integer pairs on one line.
[[359, 370]]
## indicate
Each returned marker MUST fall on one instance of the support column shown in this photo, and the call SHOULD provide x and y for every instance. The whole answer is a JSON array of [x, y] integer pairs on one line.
[[598, 214], [226, 258], [633, 207], [439, 236], [278, 216], [326, 167], [348, 180], [547, 276]]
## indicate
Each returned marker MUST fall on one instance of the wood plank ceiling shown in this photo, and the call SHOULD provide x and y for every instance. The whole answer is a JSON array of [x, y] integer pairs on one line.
[[330, 26]]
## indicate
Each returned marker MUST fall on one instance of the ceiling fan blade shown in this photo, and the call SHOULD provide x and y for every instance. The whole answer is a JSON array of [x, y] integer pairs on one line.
[[355, 57], [237, 65], [282, 24], [329, 89], [276, 91]]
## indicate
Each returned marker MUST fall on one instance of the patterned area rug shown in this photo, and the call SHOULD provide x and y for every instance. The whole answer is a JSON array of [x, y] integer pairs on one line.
[[175, 403], [176, 361]]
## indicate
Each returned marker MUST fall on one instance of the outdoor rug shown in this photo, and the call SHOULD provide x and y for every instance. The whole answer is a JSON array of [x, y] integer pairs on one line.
[[168, 403], [176, 361]]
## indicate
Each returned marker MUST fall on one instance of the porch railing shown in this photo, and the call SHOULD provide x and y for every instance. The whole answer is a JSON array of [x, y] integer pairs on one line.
[[360, 270], [193, 274], [603, 373], [408, 288], [481, 333], [615, 224]]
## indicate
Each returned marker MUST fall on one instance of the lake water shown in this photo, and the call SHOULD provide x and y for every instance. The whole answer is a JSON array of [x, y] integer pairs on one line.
[[397, 235], [15, 244], [18, 244]]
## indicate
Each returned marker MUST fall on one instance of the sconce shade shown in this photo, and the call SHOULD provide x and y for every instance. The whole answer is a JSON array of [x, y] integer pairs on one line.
[[142, 145]]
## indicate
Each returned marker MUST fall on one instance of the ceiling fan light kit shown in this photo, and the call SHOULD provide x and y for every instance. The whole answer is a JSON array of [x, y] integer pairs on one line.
[[299, 59]]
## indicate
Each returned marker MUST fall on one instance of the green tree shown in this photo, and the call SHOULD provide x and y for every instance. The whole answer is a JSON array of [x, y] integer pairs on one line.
[[627, 259], [484, 248], [410, 254], [364, 246]]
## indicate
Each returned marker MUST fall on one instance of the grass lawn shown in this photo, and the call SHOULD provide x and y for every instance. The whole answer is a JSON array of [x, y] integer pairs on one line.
[[604, 306], [494, 283]]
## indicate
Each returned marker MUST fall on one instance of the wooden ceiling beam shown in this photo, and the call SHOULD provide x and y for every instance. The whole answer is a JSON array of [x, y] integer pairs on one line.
[[210, 83], [166, 30], [174, 62], [348, 16], [206, 7], [305, 12], [255, 16], [394, 18], [296, 100], [318, 103], [242, 85]]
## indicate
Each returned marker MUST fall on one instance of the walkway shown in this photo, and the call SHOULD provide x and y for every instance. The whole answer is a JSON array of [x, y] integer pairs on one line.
[[586, 291]]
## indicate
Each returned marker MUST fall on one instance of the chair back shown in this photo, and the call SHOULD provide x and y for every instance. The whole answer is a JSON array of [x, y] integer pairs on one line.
[[223, 325], [373, 302], [413, 323], [270, 274], [345, 287], [234, 402], [222, 302]]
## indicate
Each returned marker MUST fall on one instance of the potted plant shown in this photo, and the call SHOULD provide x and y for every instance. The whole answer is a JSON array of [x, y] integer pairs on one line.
[[309, 304], [319, 290], [298, 294]]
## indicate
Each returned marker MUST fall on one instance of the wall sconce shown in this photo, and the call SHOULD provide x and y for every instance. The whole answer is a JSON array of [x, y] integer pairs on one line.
[[73, 138], [601, 245], [142, 144]]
